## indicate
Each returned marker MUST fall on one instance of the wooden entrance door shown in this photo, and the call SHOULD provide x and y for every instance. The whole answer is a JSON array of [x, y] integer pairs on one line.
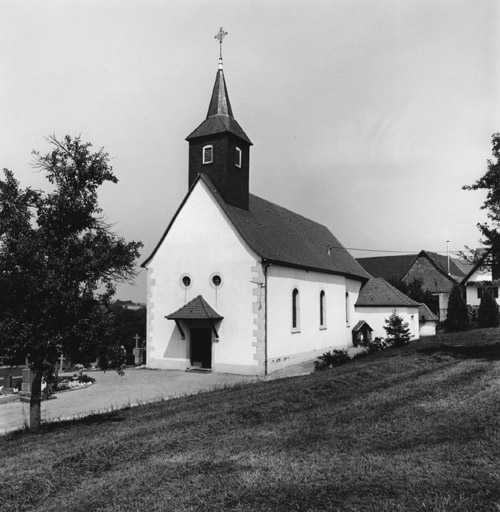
[[201, 347]]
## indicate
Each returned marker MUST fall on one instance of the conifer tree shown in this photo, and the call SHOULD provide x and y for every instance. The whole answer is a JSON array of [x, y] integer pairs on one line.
[[488, 314], [397, 330], [457, 318]]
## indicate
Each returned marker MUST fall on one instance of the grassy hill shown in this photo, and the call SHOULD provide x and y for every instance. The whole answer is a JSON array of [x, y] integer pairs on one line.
[[416, 428]]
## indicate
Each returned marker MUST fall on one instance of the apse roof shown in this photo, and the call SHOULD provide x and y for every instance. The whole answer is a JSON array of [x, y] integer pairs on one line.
[[378, 292]]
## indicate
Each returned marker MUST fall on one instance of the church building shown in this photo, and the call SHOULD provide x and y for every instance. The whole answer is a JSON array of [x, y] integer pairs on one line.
[[238, 284]]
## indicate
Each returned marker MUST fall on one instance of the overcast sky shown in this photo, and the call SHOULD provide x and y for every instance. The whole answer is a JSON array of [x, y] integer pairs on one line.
[[366, 116]]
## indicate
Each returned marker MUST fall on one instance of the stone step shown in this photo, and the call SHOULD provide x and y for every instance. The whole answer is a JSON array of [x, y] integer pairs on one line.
[[197, 369]]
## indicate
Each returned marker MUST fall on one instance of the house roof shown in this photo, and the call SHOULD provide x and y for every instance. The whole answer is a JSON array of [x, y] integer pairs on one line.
[[426, 314], [396, 267], [388, 267], [196, 309], [220, 117], [283, 237], [378, 292], [476, 266], [441, 262]]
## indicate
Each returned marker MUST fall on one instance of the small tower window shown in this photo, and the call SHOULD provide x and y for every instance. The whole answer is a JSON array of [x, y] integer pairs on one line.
[[238, 157], [208, 154]]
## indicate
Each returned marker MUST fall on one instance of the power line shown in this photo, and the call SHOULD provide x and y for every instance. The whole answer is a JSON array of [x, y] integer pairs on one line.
[[387, 251]]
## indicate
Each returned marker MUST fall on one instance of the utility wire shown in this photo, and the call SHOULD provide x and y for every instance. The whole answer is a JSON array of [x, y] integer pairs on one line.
[[394, 252]]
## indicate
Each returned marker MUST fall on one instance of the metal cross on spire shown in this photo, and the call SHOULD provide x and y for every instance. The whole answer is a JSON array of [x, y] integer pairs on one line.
[[220, 36]]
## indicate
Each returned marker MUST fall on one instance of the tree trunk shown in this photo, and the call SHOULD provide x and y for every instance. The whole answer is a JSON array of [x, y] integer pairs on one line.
[[36, 396]]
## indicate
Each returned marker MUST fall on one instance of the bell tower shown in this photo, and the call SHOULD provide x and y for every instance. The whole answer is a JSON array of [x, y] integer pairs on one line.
[[219, 148]]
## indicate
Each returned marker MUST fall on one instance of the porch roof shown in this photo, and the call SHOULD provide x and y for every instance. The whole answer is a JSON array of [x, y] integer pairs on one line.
[[196, 309], [360, 325]]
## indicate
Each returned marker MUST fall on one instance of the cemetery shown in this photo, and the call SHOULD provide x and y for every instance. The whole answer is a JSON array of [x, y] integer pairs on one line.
[[16, 381]]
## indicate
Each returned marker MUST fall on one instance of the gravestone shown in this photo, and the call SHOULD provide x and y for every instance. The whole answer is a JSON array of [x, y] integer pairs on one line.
[[7, 384]]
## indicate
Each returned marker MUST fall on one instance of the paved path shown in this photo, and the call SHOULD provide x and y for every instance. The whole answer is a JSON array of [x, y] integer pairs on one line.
[[110, 391]]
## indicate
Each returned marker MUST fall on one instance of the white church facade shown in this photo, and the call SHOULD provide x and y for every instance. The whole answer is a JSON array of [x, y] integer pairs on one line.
[[238, 284]]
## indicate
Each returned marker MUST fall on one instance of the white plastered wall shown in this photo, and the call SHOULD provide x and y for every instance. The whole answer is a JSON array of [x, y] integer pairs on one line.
[[474, 282], [286, 345], [376, 316], [202, 242]]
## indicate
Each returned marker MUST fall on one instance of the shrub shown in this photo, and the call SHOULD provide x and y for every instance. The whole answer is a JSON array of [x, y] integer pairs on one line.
[[376, 345], [457, 317], [398, 331], [331, 359], [83, 378], [488, 314]]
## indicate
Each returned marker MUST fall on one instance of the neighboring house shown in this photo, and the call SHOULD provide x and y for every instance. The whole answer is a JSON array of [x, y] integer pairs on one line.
[[376, 302], [238, 284], [438, 274], [482, 278], [427, 321]]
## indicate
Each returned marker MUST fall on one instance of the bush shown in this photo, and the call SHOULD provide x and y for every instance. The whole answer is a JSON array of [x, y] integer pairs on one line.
[[332, 359], [83, 378], [376, 345], [488, 314], [457, 317]]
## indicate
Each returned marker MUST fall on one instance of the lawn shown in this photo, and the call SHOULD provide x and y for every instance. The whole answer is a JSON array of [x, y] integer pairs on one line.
[[416, 428]]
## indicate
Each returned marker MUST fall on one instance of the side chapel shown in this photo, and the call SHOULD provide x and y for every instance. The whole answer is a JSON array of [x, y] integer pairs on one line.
[[238, 284]]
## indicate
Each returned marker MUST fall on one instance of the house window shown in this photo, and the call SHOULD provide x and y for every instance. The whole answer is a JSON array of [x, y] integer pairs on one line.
[[295, 310], [347, 309], [238, 157], [492, 290], [322, 309], [208, 154]]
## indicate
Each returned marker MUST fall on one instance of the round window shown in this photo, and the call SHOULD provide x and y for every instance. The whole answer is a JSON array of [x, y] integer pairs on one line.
[[186, 281], [216, 280]]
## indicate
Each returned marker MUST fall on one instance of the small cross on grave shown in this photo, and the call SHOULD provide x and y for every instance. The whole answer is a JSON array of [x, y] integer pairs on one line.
[[137, 338]]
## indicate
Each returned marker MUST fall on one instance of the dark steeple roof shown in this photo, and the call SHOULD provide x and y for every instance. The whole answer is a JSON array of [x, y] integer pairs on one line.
[[220, 117], [219, 103]]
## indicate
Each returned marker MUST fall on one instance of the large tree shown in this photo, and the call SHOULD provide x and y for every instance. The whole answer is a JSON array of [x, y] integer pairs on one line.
[[59, 262], [490, 230]]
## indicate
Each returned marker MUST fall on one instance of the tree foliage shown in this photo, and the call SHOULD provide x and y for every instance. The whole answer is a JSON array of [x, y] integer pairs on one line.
[[414, 289], [397, 330], [457, 318], [127, 323], [59, 262], [488, 314], [490, 181]]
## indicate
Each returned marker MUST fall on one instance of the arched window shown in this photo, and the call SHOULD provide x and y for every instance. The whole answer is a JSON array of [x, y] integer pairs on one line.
[[238, 157], [347, 308], [322, 309], [208, 154], [295, 309]]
